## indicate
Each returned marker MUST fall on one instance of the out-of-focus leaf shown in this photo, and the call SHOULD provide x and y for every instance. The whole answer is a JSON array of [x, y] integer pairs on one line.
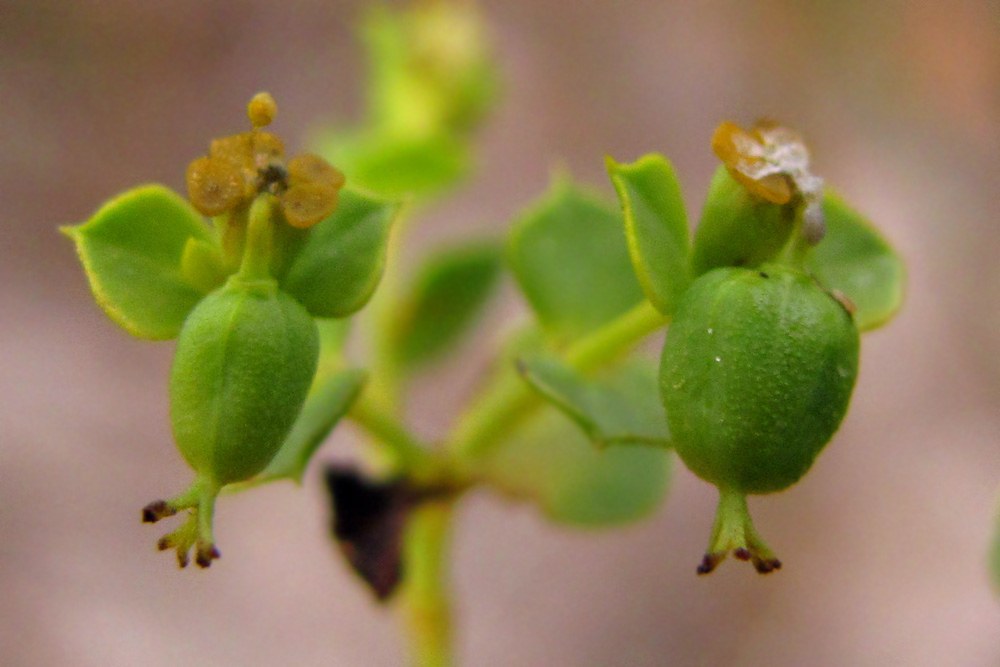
[[341, 261], [656, 227], [396, 164], [447, 295], [328, 401], [431, 67], [624, 408], [737, 228], [570, 258], [131, 250], [853, 258], [551, 462]]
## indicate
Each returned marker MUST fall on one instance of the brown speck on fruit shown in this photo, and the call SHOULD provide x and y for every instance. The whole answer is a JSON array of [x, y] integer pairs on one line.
[[156, 510], [742, 553]]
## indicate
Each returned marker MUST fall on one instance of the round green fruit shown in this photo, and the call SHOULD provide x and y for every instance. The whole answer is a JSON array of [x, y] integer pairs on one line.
[[756, 375]]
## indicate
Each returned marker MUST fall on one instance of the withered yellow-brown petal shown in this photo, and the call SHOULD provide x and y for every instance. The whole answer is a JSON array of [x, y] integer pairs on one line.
[[214, 185], [305, 204]]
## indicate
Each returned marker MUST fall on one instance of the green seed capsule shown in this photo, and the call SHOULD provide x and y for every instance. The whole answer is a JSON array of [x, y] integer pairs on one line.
[[245, 360], [244, 363], [756, 375]]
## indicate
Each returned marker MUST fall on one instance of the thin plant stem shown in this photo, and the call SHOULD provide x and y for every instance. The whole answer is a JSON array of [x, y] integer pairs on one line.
[[408, 453], [425, 597], [509, 399]]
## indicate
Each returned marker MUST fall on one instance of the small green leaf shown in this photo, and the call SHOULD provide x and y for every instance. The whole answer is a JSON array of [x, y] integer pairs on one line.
[[551, 462], [656, 227], [328, 401], [395, 164], [570, 258], [622, 409], [737, 228], [448, 294], [131, 250], [854, 259], [202, 264], [341, 262]]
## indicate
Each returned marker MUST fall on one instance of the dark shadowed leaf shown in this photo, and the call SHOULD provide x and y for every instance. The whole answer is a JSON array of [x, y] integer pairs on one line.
[[369, 519]]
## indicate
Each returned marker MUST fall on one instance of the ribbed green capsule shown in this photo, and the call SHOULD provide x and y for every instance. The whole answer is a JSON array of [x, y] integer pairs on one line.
[[756, 375], [245, 359]]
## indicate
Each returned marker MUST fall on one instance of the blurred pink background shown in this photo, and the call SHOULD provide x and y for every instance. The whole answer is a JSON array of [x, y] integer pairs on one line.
[[884, 542]]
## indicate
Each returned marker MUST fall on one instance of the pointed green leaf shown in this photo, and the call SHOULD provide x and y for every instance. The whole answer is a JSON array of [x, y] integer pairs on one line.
[[569, 256], [131, 250], [624, 408], [448, 294], [550, 462], [737, 228], [656, 227], [341, 262], [854, 259], [328, 401]]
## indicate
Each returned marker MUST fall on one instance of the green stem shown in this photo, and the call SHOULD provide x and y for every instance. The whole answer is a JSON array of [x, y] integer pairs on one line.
[[407, 452], [425, 595], [259, 247], [509, 399]]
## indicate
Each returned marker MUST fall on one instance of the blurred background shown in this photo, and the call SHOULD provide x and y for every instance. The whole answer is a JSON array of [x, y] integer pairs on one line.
[[884, 542]]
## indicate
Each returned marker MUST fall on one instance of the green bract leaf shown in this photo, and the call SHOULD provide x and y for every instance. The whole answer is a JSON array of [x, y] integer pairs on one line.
[[737, 228], [447, 295], [131, 250], [656, 227], [328, 401], [551, 462], [341, 262], [569, 256], [395, 164], [622, 409], [854, 259]]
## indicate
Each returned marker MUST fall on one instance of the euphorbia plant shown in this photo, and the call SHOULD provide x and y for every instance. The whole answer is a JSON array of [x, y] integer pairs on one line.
[[767, 301]]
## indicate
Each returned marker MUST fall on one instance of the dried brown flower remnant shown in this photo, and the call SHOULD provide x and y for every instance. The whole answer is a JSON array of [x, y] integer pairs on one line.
[[772, 162], [313, 188], [241, 166]]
